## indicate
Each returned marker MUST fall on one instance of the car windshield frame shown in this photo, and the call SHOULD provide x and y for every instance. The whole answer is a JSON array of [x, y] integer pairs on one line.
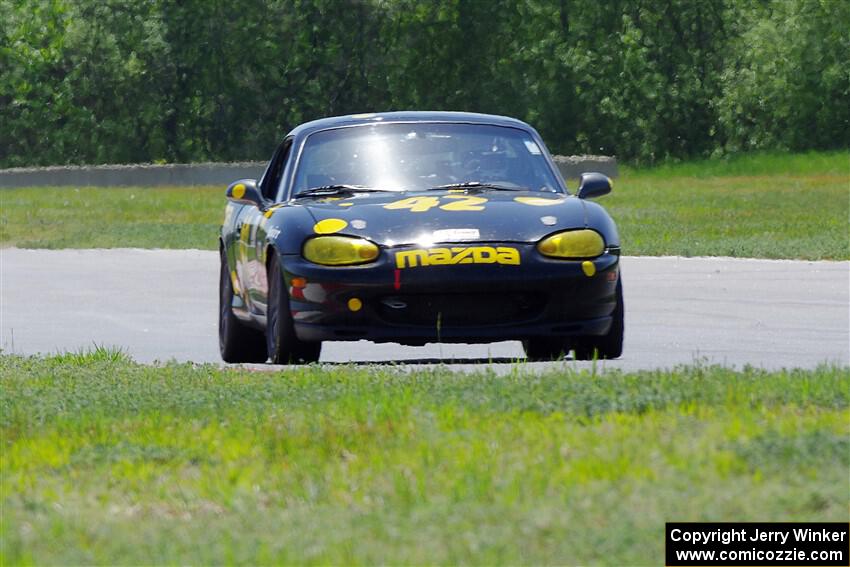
[[541, 170]]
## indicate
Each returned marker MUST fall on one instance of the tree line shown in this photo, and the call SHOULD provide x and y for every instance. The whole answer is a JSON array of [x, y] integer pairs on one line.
[[124, 81]]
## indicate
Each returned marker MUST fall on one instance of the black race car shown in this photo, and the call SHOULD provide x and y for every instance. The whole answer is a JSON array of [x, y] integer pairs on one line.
[[416, 227]]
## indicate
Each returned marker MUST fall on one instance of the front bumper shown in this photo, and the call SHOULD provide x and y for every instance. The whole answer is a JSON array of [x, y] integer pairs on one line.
[[476, 302]]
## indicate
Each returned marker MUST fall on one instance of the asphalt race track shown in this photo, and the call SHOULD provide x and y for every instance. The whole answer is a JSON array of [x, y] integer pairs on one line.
[[162, 304]]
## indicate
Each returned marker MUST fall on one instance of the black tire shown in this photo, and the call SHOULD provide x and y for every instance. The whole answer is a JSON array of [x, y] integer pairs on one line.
[[609, 345], [283, 345], [542, 348], [236, 342]]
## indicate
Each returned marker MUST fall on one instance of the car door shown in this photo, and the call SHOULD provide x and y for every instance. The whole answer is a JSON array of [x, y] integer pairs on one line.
[[252, 233]]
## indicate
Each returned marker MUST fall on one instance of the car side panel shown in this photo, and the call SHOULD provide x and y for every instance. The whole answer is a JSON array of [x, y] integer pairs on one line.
[[277, 230]]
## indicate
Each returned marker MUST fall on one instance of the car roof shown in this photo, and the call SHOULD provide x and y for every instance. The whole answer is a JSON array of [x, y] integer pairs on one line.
[[407, 116]]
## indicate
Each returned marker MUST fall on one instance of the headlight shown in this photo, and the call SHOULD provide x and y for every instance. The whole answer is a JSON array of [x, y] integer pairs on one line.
[[572, 244], [340, 250]]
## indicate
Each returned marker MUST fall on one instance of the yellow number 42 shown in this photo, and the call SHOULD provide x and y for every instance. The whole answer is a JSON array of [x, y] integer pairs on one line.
[[422, 204]]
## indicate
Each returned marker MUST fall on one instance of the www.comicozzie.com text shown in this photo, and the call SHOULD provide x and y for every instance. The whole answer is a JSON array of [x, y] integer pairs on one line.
[[756, 534]]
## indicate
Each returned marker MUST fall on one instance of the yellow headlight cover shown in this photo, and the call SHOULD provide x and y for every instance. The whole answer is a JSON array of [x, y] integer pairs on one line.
[[340, 250], [572, 244]]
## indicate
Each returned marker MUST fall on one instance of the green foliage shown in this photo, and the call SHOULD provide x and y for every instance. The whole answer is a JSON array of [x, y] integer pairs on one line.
[[177, 81], [84, 82], [787, 83], [109, 462]]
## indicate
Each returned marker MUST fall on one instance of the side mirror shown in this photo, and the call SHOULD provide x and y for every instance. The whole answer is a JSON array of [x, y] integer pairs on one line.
[[593, 185], [245, 192]]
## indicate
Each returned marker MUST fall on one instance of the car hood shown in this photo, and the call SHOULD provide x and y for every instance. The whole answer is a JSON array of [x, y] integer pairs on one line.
[[392, 219]]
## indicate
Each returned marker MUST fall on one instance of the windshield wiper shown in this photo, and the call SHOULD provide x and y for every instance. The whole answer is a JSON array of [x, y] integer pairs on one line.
[[478, 185], [339, 189]]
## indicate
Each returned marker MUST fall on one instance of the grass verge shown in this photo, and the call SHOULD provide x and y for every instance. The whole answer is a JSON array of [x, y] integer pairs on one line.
[[753, 206], [111, 217], [108, 461], [763, 206]]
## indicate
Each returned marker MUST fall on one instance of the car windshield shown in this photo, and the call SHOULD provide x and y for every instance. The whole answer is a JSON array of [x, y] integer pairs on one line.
[[422, 157]]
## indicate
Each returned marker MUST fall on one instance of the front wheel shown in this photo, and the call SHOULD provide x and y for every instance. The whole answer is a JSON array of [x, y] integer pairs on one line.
[[236, 342], [609, 345], [284, 347]]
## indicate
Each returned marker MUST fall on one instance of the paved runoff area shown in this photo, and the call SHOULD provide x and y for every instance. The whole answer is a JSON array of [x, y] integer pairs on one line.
[[160, 305]]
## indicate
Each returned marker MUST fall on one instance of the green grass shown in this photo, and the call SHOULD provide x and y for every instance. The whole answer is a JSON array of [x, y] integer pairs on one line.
[[763, 205], [759, 206], [132, 217], [812, 164], [107, 461]]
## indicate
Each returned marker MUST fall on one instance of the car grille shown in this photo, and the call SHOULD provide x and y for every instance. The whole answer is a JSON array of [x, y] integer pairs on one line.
[[461, 309]]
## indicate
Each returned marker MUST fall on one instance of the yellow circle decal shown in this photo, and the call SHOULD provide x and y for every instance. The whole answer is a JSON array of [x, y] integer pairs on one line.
[[270, 211], [537, 201], [355, 304], [329, 226], [588, 268], [239, 191]]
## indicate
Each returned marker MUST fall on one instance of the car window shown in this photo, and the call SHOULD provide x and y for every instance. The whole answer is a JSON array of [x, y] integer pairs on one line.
[[271, 178], [421, 156]]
